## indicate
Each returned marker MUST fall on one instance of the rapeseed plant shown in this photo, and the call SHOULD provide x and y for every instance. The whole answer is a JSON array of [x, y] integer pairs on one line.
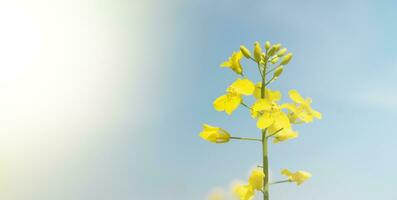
[[274, 120]]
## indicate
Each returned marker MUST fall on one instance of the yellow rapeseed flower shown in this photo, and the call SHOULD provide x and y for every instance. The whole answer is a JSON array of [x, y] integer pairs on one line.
[[244, 192], [285, 134], [298, 177], [233, 98], [269, 94], [242, 86], [301, 108], [234, 62], [256, 179], [228, 102], [214, 134]]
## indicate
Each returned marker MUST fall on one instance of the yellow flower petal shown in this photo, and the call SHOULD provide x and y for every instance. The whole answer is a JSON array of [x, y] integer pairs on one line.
[[256, 179], [219, 103], [227, 103], [264, 121], [234, 62], [296, 97], [244, 192], [232, 103], [298, 177], [242, 86], [285, 134], [214, 134]]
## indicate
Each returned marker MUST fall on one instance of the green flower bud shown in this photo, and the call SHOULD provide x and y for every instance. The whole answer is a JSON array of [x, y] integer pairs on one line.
[[286, 59], [245, 51], [257, 52], [277, 47], [278, 71], [267, 45], [282, 52], [274, 60], [271, 51], [263, 56]]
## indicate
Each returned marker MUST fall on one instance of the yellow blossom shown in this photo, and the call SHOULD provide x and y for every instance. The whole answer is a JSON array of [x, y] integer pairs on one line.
[[242, 86], [243, 192], [228, 102], [301, 108], [214, 134], [233, 98], [234, 62], [298, 177], [256, 179], [269, 94], [268, 114], [285, 134]]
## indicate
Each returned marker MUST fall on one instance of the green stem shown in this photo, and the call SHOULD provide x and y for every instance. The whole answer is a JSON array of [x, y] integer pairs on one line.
[[283, 181], [242, 138], [265, 165], [245, 105], [270, 80], [274, 68], [275, 133], [264, 142]]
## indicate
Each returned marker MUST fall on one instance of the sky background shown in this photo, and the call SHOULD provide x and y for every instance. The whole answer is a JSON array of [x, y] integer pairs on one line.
[[105, 99]]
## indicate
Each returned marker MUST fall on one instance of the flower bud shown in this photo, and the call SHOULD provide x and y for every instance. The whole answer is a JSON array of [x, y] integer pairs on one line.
[[274, 60], [245, 51], [271, 51], [278, 71], [263, 56], [214, 134], [267, 45], [282, 52], [286, 59], [257, 52], [277, 47]]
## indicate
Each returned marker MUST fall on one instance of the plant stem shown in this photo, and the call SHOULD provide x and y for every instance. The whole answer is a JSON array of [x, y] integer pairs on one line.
[[265, 166], [245, 105], [264, 140], [283, 181], [241, 138]]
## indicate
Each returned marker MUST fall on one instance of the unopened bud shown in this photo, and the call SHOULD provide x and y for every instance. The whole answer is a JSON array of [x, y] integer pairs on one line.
[[263, 56], [277, 47], [267, 45], [271, 51], [286, 59], [274, 60], [257, 52], [282, 52], [278, 71], [245, 51]]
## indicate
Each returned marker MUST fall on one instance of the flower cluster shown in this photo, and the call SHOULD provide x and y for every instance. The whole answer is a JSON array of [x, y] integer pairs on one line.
[[274, 118]]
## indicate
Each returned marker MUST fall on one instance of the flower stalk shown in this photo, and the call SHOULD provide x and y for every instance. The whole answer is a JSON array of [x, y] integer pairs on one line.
[[265, 140]]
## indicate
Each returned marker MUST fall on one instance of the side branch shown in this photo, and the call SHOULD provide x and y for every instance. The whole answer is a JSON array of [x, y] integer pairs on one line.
[[242, 138]]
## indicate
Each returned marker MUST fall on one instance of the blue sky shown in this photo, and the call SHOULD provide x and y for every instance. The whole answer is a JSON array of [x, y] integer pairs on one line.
[[344, 60], [140, 79]]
